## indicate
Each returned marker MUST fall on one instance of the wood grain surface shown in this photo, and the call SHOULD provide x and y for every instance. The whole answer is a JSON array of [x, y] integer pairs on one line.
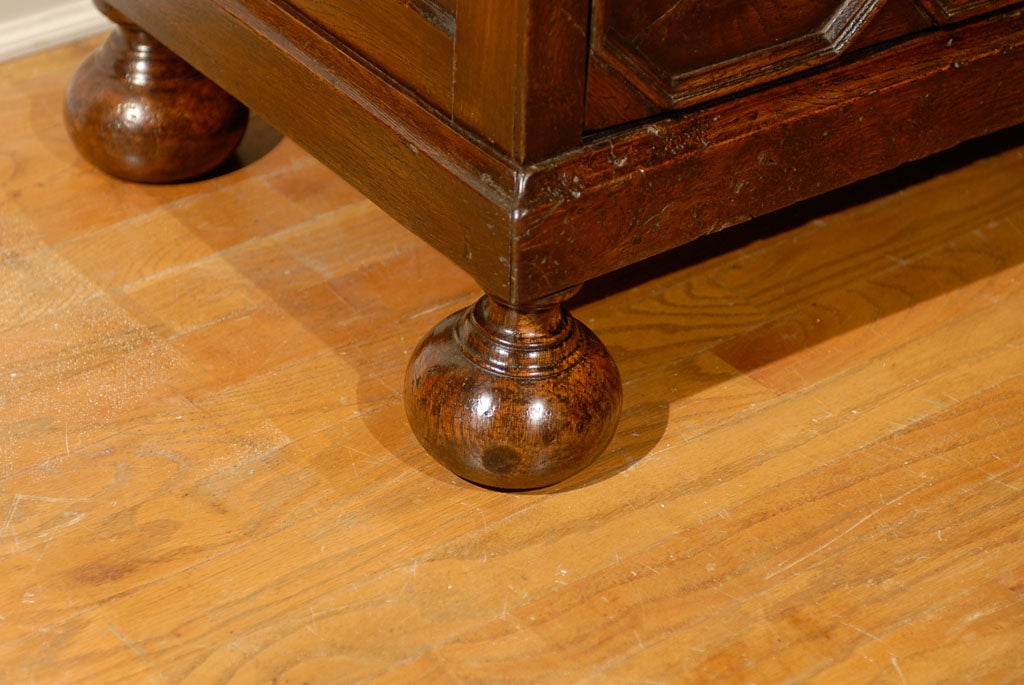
[[206, 475], [139, 112]]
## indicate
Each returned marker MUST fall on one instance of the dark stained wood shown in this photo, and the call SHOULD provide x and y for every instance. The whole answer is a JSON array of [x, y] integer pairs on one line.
[[635, 193], [513, 397], [611, 97], [525, 231], [520, 73], [137, 111], [679, 37], [406, 40], [893, 20], [681, 53], [443, 5], [945, 11], [452, 191], [440, 12]]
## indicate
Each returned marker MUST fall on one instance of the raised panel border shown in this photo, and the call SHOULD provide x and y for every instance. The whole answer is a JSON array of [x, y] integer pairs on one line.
[[670, 91]]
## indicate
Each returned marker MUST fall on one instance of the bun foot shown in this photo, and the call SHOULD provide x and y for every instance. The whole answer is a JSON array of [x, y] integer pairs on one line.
[[513, 396], [137, 111]]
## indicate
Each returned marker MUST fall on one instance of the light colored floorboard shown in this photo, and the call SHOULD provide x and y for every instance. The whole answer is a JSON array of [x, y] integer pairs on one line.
[[206, 476]]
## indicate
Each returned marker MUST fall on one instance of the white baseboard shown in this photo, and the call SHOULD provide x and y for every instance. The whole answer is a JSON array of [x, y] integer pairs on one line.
[[71, 20]]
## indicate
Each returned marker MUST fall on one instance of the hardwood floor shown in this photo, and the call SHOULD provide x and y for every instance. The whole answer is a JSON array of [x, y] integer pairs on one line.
[[206, 474]]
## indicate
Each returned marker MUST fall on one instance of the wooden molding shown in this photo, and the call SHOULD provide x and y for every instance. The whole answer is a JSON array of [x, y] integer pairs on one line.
[[507, 223]]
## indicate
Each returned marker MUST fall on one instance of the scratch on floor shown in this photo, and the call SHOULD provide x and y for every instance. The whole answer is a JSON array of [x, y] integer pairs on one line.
[[822, 547], [841, 535], [643, 606], [899, 671], [639, 641], [995, 478], [312, 626], [134, 646], [19, 498], [860, 630]]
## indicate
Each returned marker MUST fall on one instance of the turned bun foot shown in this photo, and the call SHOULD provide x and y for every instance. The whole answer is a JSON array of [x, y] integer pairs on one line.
[[513, 397], [139, 112]]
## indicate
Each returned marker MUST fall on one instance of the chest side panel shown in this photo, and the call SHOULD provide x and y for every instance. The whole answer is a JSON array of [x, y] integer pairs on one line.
[[411, 40], [650, 56]]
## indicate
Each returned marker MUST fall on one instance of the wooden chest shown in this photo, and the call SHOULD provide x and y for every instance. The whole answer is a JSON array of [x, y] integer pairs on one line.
[[541, 143]]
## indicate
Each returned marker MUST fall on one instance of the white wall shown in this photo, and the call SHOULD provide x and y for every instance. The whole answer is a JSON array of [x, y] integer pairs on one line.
[[17, 9], [30, 25]]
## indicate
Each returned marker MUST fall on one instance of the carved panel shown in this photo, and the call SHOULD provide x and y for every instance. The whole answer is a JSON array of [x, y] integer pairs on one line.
[[667, 54]]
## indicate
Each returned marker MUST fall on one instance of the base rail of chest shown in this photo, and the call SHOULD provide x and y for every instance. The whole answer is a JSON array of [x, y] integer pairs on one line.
[[514, 392]]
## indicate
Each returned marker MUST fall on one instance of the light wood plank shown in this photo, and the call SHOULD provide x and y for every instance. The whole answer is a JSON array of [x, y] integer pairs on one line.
[[206, 476]]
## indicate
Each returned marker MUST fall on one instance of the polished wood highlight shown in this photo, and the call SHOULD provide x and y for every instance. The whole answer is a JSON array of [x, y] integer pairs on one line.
[[138, 112], [513, 396], [206, 474]]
